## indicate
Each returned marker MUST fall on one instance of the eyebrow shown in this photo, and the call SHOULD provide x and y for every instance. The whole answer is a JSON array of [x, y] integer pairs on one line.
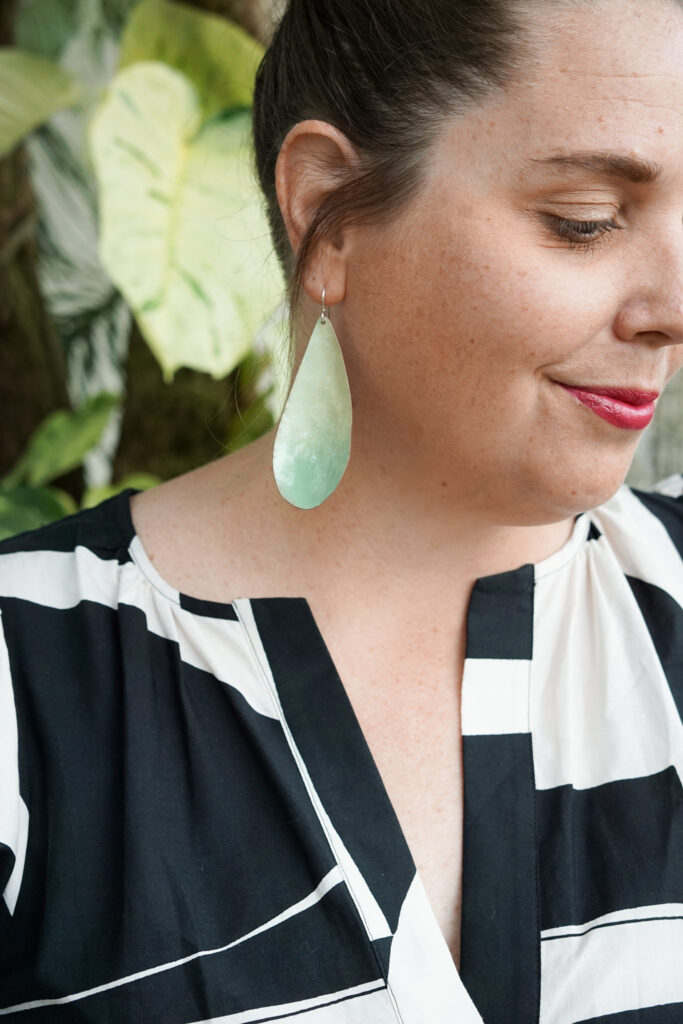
[[614, 165]]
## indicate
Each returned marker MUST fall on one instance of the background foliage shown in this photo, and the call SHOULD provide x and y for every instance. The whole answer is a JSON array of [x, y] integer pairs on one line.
[[141, 314]]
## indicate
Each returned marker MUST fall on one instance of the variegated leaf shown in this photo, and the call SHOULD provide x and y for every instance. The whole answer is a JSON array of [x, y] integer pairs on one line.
[[182, 228]]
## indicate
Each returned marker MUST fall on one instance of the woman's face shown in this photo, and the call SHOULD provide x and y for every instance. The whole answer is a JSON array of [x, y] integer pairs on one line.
[[460, 317]]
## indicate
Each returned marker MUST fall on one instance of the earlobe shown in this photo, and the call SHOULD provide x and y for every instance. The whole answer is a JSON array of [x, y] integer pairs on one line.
[[314, 159]]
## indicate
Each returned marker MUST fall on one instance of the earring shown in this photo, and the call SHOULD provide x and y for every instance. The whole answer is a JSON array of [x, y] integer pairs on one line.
[[313, 440]]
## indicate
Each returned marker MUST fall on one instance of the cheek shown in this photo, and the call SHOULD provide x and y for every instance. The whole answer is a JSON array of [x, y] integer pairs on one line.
[[527, 306], [464, 303]]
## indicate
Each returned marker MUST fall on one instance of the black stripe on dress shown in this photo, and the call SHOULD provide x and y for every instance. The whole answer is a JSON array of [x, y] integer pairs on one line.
[[664, 619], [668, 510], [610, 847], [500, 942], [177, 819], [327, 733], [314, 955], [106, 530]]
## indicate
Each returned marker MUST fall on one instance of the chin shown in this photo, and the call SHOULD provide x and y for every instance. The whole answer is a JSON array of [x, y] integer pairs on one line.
[[568, 488], [591, 492]]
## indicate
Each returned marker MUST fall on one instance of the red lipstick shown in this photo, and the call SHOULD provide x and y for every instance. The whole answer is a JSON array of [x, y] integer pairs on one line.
[[623, 407]]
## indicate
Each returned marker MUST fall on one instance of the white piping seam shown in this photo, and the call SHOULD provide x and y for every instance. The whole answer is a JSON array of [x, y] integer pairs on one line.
[[313, 796]]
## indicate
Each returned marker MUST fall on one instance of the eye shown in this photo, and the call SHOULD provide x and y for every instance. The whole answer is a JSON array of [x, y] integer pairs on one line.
[[581, 234]]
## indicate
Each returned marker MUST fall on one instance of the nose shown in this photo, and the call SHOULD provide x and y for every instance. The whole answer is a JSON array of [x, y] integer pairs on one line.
[[653, 311]]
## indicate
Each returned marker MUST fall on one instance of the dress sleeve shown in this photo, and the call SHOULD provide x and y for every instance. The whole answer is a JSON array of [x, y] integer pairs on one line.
[[13, 810]]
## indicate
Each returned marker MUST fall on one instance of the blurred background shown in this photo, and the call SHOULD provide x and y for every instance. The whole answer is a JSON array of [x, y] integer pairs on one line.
[[142, 327], [142, 322]]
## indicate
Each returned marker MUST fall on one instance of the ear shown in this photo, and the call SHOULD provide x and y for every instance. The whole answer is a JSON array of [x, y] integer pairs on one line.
[[313, 160]]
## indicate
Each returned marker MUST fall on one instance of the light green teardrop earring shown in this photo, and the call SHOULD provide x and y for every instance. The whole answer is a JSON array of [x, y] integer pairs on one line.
[[313, 440]]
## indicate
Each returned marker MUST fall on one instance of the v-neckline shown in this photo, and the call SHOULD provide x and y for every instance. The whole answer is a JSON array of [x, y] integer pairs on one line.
[[319, 712], [327, 733], [324, 725], [500, 901]]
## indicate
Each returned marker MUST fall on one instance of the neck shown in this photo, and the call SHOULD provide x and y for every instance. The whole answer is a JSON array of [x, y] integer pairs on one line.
[[396, 521]]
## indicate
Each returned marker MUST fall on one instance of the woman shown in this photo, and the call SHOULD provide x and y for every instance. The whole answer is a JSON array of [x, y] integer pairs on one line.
[[409, 749]]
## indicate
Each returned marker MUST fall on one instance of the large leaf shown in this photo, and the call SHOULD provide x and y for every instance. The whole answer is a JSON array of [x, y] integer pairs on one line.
[[61, 441], [182, 228], [32, 89], [219, 57], [27, 508], [45, 26]]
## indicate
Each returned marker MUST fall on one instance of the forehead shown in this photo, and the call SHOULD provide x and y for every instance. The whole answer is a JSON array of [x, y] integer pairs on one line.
[[616, 61], [605, 77], [601, 48]]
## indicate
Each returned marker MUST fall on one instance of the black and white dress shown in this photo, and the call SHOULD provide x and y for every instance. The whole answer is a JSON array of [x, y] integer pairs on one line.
[[193, 829]]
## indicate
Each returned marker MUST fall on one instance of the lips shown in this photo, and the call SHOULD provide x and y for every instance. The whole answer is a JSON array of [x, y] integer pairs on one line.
[[628, 408], [630, 396]]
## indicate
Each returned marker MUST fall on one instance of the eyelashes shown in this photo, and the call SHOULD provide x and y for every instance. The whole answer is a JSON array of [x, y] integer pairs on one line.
[[582, 234]]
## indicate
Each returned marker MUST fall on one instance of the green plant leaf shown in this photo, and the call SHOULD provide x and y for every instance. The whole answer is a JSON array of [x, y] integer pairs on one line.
[[27, 508], [215, 54], [45, 26], [32, 89], [182, 228], [61, 441], [140, 481]]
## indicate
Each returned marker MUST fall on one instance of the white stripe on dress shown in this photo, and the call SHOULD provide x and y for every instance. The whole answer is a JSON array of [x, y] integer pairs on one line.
[[602, 972], [13, 811]]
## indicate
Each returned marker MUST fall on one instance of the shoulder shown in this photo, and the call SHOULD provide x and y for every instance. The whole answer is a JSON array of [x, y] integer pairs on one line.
[[57, 564], [220, 532]]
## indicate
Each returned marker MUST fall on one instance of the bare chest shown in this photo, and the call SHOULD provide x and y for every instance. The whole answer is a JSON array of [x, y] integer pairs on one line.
[[418, 752]]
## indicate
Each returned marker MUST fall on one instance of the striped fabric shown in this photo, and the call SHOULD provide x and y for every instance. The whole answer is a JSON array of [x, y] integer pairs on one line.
[[193, 829]]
